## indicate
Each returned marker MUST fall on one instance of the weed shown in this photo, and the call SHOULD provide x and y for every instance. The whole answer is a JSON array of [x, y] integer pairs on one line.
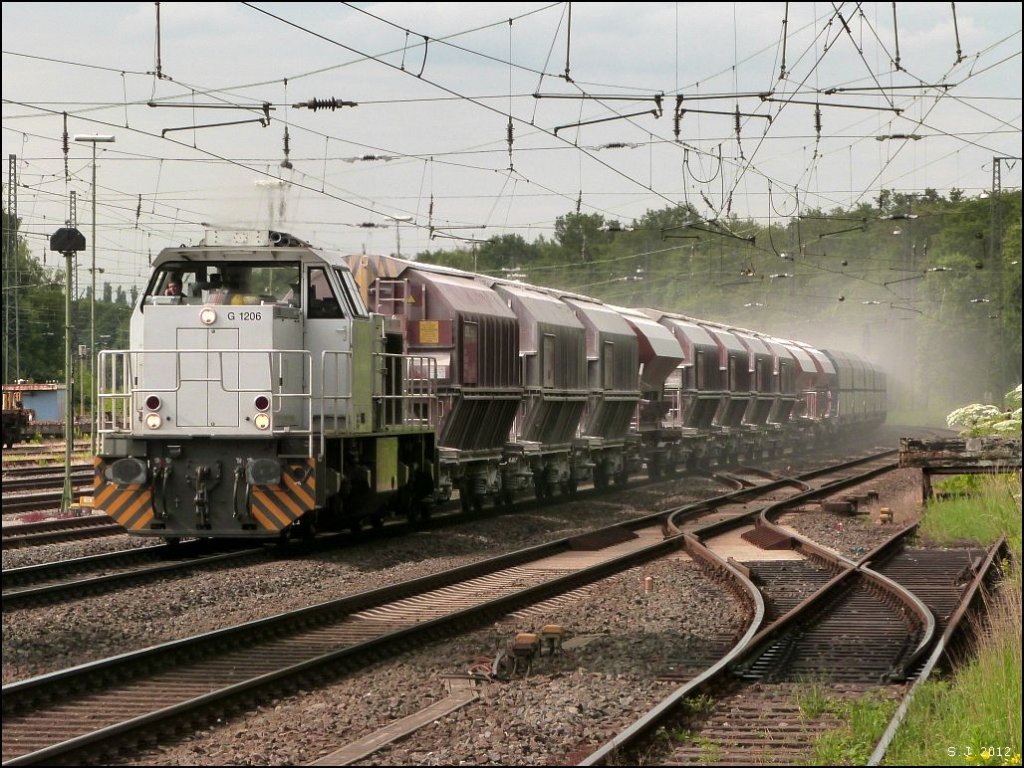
[[710, 751], [698, 705], [813, 701], [864, 720]]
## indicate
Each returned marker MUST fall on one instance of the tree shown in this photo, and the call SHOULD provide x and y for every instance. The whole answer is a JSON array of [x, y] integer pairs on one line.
[[40, 319], [583, 236], [36, 353]]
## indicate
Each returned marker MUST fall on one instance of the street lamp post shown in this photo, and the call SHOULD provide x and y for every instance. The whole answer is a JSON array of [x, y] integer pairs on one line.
[[94, 139]]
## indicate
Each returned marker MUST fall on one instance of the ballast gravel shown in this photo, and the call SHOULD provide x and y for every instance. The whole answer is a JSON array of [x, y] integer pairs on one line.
[[44, 639], [569, 703], [854, 535], [570, 700]]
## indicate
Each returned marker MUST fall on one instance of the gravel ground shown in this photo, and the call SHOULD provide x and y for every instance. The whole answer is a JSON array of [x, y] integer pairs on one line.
[[572, 698], [44, 639], [853, 535], [47, 553]]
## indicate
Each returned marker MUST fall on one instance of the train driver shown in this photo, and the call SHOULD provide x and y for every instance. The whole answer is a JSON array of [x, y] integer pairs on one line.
[[236, 285], [173, 286]]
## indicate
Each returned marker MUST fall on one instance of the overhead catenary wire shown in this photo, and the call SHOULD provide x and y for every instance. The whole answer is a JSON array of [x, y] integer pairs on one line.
[[590, 194]]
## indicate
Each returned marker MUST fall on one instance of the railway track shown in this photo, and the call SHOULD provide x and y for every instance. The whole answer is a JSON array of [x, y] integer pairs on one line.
[[48, 454], [840, 630], [32, 502], [70, 579], [48, 582], [33, 478], [234, 667], [95, 574], [51, 446], [57, 530]]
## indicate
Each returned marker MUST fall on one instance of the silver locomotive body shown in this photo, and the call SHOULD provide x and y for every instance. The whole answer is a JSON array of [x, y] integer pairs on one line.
[[257, 398]]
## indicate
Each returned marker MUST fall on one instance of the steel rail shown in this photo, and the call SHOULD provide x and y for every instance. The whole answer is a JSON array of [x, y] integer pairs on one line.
[[62, 529], [969, 599], [21, 697], [610, 752]]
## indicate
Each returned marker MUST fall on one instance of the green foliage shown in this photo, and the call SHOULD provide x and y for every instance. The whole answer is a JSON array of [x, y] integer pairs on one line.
[[813, 700], [863, 722], [982, 518], [846, 280], [699, 704], [41, 314], [960, 485]]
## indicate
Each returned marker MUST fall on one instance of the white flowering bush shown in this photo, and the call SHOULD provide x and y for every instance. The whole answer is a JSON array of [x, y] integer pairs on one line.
[[977, 419], [1008, 427], [973, 415], [1013, 400]]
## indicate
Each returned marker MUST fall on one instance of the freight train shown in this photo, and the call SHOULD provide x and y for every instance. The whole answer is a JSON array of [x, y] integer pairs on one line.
[[273, 388]]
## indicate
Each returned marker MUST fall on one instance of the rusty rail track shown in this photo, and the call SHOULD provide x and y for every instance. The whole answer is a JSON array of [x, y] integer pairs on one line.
[[25, 478], [94, 574], [62, 529], [845, 626], [229, 669], [969, 603]]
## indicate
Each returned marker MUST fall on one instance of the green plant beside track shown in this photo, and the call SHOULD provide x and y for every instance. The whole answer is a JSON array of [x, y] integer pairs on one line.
[[864, 721], [974, 717]]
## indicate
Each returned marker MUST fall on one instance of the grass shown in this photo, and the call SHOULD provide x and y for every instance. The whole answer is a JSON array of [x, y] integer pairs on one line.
[[982, 518], [813, 700], [864, 721], [974, 717]]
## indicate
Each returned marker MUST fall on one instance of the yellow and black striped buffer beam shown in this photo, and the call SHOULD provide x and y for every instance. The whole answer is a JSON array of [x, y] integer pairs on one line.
[[129, 505], [277, 506]]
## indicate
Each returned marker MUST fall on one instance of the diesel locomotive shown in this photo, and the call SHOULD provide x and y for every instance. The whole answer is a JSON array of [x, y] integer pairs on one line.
[[273, 388]]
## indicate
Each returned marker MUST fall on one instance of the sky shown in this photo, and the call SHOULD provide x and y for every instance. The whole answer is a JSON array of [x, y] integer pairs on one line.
[[836, 101]]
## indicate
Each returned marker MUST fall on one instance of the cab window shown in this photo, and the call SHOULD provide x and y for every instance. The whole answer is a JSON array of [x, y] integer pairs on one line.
[[224, 282], [322, 302], [353, 300]]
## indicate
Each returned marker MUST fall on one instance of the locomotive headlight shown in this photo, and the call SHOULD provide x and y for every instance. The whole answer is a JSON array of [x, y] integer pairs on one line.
[[207, 316], [262, 402], [153, 402], [154, 420], [262, 421]]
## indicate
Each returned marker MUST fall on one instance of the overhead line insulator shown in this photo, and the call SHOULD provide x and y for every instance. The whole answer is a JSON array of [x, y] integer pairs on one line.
[[332, 104]]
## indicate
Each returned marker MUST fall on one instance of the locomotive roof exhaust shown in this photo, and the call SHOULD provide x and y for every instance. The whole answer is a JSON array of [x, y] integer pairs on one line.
[[283, 238], [251, 238]]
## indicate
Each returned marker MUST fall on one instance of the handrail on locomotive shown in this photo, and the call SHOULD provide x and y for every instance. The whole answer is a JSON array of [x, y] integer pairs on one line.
[[414, 405]]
